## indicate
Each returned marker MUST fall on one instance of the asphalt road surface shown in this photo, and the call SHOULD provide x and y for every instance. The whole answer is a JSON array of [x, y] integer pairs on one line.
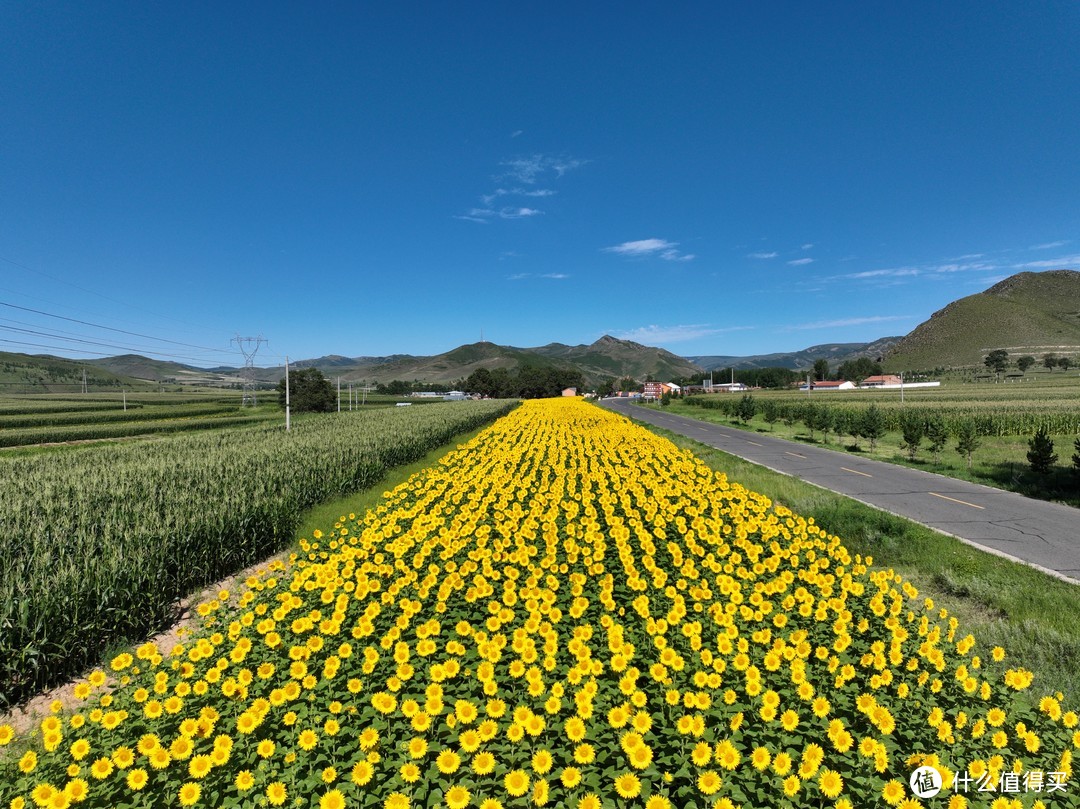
[[1037, 533]]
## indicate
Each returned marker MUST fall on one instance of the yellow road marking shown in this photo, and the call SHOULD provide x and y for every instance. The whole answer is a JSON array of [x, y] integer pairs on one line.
[[954, 500], [856, 472], [797, 455]]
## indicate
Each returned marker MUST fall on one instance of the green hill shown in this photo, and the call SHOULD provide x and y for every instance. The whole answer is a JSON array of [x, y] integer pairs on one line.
[[137, 366], [612, 357], [44, 373], [1028, 313]]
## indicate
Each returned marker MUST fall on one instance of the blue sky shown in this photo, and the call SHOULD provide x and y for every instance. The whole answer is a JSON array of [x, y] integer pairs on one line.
[[377, 178]]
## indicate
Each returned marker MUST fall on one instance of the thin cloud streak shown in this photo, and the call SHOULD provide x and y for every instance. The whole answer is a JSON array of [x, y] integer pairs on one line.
[[651, 335], [850, 321], [763, 255], [520, 276], [799, 262], [1062, 263], [650, 247]]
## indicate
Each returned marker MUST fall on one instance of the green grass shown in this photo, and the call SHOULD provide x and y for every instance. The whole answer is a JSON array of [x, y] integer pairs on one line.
[[1032, 615]]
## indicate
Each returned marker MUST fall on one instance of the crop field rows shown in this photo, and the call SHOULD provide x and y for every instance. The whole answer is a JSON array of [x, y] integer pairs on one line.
[[32, 420], [566, 611]]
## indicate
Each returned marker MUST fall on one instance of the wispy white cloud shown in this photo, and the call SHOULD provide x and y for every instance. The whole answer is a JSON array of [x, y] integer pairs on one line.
[[516, 132], [523, 174], [650, 247], [488, 199], [518, 213], [675, 255], [485, 215], [557, 276], [849, 321], [530, 169], [807, 246], [773, 254], [672, 334], [800, 262], [1049, 245], [890, 273], [1063, 262], [641, 247], [966, 267]]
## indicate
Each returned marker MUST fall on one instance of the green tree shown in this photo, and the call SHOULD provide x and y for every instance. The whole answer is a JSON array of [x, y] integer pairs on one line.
[[309, 392], [847, 423], [481, 382], [967, 440], [1049, 361], [872, 425], [858, 369], [770, 411], [746, 408], [913, 429], [821, 369], [826, 422], [606, 388], [1064, 363], [1076, 458], [665, 398], [627, 384], [997, 360], [1041, 456], [937, 434], [1025, 362]]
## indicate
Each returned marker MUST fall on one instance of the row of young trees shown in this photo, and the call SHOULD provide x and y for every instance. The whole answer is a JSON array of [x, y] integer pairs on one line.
[[998, 361], [871, 424]]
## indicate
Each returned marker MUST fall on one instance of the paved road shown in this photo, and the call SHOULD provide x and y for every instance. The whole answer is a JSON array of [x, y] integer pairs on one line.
[[1044, 535]]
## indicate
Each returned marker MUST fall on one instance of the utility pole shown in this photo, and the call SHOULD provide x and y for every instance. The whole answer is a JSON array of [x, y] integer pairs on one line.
[[287, 426], [84, 380], [901, 387], [339, 394], [249, 363], [125, 400]]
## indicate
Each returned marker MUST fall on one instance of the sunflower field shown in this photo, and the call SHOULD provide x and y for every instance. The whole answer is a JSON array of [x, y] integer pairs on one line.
[[567, 611]]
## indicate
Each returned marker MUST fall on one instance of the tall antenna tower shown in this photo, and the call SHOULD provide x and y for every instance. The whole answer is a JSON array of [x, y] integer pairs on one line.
[[249, 351]]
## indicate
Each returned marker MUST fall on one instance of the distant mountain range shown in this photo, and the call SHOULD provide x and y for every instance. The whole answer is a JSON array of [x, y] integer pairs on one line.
[[607, 357], [1027, 313], [835, 353]]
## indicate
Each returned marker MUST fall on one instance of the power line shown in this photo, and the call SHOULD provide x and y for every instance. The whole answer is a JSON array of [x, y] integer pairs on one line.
[[110, 328], [37, 333]]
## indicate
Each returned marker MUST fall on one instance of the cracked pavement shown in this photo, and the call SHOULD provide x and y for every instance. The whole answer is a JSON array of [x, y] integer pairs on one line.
[[1041, 534]]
